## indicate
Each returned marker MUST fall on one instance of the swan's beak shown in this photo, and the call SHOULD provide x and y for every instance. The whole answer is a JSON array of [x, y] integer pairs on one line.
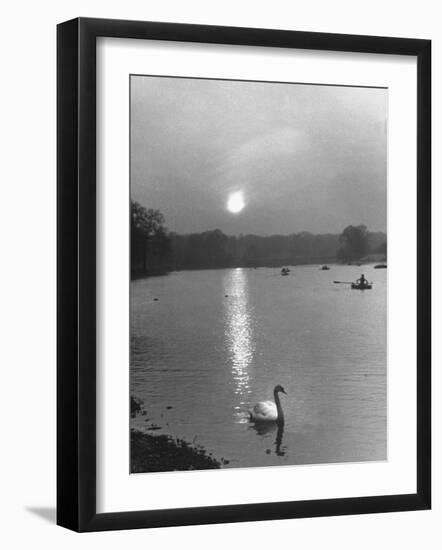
[[284, 392]]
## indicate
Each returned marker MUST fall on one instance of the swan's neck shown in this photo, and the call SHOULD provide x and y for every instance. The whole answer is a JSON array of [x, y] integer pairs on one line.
[[279, 408]]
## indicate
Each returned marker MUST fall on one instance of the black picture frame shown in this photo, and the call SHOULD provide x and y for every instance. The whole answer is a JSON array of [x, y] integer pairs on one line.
[[77, 287]]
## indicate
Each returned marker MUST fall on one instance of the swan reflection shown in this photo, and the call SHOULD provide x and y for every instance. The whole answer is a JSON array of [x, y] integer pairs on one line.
[[278, 441], [239, 336], [266, 428]]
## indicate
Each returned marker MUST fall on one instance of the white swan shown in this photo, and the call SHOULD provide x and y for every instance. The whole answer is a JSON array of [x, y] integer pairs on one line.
[[269, 411]]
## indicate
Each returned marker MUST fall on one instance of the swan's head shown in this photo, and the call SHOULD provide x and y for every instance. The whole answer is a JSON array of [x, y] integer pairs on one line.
[[279, 388]]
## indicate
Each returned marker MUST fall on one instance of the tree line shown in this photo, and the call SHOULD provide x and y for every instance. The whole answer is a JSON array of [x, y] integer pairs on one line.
[[155, 250]]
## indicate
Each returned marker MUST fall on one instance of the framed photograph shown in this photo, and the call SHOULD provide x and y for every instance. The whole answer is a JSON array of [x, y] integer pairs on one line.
[[243, 274]]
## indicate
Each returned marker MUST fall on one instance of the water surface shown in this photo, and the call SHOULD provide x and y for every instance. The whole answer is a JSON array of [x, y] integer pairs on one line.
[[215, 342]]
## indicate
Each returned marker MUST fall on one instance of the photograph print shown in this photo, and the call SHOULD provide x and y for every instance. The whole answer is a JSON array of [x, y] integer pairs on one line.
[[258, 292]]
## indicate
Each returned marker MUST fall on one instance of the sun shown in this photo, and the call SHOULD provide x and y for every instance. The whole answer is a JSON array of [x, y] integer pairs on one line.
[[235, 202]]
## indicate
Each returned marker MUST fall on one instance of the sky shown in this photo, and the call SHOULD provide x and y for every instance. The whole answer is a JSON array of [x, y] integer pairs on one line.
[[295, 157]]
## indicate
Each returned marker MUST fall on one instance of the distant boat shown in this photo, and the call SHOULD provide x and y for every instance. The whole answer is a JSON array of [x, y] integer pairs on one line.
[[325, 268], [285, 271], [380, 266], [356, 286], [360, 284]]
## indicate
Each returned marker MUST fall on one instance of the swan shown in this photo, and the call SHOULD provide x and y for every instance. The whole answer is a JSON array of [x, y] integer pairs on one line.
[[269, 411]]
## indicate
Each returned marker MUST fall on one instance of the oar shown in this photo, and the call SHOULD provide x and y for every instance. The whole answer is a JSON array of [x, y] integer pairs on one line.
[[348, 283]]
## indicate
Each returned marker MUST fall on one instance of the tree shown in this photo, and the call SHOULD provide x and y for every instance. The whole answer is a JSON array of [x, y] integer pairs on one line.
[[353, 243], [382, 249], [147, 223], [215, 247], [148, 234]]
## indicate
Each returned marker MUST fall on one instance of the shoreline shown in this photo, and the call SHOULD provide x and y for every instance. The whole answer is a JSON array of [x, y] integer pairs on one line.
[[162, 453], [314, 262]]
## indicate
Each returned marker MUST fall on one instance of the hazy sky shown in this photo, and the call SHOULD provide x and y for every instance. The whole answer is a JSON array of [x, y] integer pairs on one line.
[[305, 157]]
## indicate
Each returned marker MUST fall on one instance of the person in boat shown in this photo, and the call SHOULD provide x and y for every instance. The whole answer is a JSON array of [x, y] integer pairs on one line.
[[362, 282]]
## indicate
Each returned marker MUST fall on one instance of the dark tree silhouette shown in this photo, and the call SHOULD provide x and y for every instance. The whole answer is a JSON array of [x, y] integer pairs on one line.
[[156, 251], [149, 237], [382, 249], [146, 222], [353, 243]]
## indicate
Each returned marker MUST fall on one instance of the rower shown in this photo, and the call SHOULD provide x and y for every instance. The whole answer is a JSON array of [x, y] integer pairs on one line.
[[362, 281]]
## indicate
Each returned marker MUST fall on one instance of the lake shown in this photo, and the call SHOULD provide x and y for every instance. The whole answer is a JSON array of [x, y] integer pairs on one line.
[[215, 342]]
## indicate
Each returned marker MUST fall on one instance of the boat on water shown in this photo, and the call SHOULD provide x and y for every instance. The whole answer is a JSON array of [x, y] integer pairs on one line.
[[380, 266], [356, 286], [360, 284], [285, 271], [325, 268]]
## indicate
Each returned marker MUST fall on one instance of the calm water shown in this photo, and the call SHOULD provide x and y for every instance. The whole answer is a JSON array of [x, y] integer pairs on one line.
[[199, 359]]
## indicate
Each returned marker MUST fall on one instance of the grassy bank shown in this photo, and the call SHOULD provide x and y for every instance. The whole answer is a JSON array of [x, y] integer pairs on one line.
[[162, 453]]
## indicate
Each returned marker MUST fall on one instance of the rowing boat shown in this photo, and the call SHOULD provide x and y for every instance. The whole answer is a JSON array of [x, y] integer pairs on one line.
[[355, 286]]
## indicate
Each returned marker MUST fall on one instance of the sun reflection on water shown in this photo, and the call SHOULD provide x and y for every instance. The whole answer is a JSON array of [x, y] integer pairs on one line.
[[239, 336]]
